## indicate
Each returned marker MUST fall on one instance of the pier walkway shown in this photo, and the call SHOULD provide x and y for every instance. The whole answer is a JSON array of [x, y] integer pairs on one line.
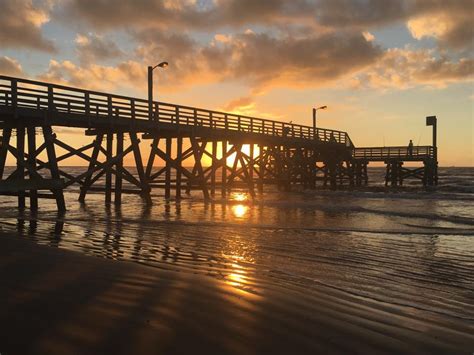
[[207, 150]]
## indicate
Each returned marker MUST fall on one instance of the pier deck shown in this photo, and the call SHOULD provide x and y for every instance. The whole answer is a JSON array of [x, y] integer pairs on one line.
[[208, 150]]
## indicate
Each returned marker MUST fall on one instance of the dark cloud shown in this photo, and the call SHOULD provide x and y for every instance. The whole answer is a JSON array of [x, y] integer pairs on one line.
[[443, 69], [257, 59], [455, 17], [131, 13], [261, 58], [20, 25], [180, 50], [187, 14], [126, 75], [91, 48], [9, 66], [405, 68], [300, 43], [361, 13]]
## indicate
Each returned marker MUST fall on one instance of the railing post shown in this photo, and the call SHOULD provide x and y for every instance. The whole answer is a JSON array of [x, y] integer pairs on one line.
[[14, 88], [110, 108], [132, 109], [87, 109], [211, 121], [238, 123], [226, 123], [177, 114], [273, 128], [50, 98], [251, 125], [156, 114]]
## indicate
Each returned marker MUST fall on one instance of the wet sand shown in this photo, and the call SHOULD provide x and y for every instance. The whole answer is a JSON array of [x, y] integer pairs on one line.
[[55, 301]]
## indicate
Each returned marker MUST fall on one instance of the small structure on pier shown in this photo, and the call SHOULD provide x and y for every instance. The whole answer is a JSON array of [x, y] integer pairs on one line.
[[199, 149]]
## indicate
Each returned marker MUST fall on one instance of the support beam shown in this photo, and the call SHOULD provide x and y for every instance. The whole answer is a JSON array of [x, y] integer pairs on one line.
[[198, 153], [32, 166], [5, 143], [108, 171], [20, 163], [168, 168], [140, 170], [213, 165], [53, 165], [224, 170], [119, 166], [261, 168], [92, 164], [179, 160]]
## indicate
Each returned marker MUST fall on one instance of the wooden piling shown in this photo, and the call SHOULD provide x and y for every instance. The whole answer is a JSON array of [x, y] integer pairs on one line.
[[108, 170], [32, 165], [20, 163], [224, 169], [119, 167], [179, 159], [168, 142]]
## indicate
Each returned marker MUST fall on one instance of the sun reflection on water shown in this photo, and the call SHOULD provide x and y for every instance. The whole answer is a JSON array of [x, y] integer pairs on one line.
[[237, 277], [239, 211], [239, 196]]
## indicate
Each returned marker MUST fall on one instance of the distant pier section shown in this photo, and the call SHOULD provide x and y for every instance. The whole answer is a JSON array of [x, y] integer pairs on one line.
[[188, 148]]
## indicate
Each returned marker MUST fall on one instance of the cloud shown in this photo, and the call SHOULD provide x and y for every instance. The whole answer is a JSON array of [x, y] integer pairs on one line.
[[262, 59], [257, 60], [127, 74], [240, 104], [369, 37], [443, 70], [360, 13], [406, 68], [92, 48], [246, 106], [20, 25], [9, 66], [449, 22], [204, 15]]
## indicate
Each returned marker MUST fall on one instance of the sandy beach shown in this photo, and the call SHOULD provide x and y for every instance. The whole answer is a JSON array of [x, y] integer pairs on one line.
[[55, 301]]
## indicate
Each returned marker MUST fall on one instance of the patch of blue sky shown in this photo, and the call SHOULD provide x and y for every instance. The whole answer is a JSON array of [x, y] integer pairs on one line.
[[398, 36]]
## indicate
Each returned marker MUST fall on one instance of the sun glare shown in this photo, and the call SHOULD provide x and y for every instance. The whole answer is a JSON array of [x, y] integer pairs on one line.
[[239, 211]]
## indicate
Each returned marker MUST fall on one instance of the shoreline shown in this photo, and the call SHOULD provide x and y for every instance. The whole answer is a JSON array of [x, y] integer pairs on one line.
[[58, 301]]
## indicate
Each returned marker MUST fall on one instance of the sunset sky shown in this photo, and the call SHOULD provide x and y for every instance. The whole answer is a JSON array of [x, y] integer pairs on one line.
[[379, 66]]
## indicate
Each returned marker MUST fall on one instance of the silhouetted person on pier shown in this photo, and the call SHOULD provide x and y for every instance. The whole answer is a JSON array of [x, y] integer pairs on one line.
[[410, 148], [332, 139]]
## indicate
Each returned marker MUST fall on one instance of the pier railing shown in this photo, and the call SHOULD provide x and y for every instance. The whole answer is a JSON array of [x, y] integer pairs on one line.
[[384, 153], [22, 93]]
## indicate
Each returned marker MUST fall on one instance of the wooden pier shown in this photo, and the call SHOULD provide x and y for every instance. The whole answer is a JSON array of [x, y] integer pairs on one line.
[[189, 148]]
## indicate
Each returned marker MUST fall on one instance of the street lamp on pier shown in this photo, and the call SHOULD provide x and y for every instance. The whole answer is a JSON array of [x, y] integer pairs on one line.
[[314, 114], [150, 86]]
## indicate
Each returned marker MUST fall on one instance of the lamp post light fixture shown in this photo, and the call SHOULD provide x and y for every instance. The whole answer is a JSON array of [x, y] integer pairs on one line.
[[150, 86], [314, 114]]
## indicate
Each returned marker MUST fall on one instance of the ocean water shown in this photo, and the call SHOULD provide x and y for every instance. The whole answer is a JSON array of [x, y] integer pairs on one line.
[[407, 247]]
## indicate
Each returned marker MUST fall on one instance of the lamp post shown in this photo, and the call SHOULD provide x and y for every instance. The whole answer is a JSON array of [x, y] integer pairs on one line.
[[433, 121], [314, 114], [150, 87], [314, 119]]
